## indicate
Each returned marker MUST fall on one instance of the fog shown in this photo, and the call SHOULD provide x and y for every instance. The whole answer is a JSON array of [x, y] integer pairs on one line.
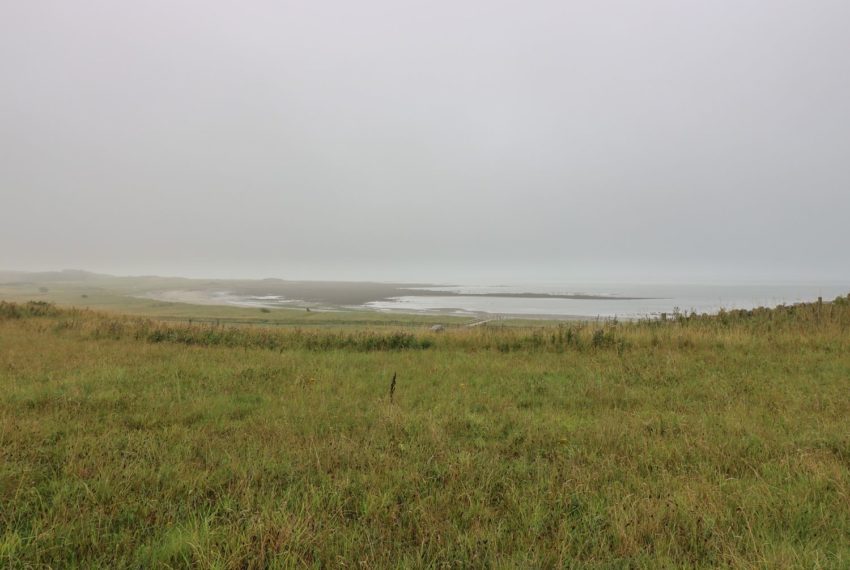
[[428, 141]]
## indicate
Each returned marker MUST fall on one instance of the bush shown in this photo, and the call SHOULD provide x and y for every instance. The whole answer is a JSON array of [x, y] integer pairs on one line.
[[29, 309]]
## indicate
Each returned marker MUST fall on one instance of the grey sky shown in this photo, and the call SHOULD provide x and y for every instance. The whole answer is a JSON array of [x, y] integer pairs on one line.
[[437, 141]]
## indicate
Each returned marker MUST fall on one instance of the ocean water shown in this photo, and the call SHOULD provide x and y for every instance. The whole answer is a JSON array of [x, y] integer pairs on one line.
[[620, 301]]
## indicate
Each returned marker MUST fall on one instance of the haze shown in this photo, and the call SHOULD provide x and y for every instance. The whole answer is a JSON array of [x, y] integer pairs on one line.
[[433, 141]]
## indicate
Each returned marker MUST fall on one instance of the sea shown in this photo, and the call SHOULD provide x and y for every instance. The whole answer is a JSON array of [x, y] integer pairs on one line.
[[621, 301]]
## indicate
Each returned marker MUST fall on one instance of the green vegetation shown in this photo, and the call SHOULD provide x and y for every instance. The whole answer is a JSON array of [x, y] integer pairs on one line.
[[690, 442]]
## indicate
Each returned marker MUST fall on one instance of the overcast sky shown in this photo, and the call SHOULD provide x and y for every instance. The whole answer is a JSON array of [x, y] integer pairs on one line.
[[478, 141]]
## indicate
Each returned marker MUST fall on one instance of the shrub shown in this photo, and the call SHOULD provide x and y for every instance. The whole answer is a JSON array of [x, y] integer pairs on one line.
[[29, 309]]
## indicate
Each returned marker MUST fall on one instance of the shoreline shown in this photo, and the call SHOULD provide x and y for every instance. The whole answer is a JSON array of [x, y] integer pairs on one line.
[[228, 299]]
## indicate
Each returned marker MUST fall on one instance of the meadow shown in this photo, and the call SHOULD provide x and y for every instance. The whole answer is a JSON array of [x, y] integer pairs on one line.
[[689, 442]]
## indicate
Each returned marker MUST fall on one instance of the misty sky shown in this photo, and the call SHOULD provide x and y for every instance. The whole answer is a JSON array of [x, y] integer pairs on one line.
[[435, 141]]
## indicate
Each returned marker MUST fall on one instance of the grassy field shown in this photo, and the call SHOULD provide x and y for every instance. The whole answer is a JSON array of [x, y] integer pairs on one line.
[[126, 296], [694, 442]]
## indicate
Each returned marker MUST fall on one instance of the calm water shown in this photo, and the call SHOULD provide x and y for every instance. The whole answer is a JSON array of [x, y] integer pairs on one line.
[[655, 299]]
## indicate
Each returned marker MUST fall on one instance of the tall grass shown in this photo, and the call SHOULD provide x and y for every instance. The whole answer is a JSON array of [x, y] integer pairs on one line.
[[691, 442]]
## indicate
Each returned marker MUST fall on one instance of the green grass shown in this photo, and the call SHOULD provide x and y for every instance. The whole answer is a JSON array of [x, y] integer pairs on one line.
[[696, 442]]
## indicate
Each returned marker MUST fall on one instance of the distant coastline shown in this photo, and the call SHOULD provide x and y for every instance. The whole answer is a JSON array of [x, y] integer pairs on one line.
[[555, 301]]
